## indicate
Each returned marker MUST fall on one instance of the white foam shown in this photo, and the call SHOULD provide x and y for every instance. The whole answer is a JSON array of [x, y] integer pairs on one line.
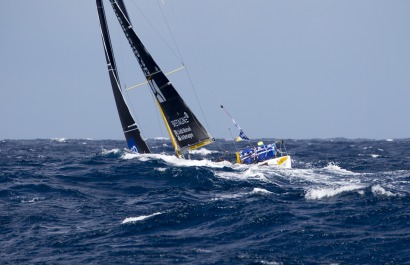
[[110, 151], [161, 138], [320, 193], [268, 262], [161, 169], [202, 151], [379, 190], [33, 200], [259, 190], [254, 172], [59, 140], [200, 250], [129, 155], [389, 140], [175, 161], [374, 155], [229, 175], [337, 169], [229, 196], [139, 218]]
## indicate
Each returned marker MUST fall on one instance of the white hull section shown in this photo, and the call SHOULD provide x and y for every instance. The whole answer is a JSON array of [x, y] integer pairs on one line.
[[281, 162]]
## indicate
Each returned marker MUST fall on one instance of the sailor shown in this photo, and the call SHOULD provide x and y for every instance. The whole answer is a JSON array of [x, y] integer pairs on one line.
[[258, 151]]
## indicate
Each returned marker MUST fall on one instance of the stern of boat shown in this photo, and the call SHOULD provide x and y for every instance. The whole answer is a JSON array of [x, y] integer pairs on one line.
[[281, 162]]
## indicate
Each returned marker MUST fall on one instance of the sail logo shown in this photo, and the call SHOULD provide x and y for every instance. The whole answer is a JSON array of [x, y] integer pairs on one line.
[[180, 121], [134, 149], [131, 145]]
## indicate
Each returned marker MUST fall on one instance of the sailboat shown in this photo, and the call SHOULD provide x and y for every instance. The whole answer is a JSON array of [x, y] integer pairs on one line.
[[185, 130], [274, 154]]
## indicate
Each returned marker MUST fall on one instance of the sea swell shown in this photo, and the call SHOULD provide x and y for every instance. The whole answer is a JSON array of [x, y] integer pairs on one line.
[[85, 201]]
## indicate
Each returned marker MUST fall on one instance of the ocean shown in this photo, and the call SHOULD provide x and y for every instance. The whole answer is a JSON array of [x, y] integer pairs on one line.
[[81, 201]]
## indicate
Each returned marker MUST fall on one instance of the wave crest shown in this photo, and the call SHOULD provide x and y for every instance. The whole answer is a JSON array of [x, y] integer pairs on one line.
[[139, 218], [320, 193]]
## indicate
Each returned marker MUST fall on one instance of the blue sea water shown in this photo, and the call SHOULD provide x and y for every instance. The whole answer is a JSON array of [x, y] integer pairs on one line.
[[66, 201]]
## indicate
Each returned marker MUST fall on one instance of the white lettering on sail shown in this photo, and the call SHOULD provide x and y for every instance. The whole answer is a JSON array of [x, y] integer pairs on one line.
[[186, 136], [183, 130], [184, 133], [180, 121]]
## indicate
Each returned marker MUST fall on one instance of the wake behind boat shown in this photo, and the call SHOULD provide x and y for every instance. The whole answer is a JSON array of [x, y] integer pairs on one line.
[[185, 130]]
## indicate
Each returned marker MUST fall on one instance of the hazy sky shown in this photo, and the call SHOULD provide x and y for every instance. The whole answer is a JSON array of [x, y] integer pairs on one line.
[[284, 69]]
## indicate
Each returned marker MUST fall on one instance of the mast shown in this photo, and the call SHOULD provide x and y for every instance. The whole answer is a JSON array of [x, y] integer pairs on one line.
[[185, 130], [129, 127]]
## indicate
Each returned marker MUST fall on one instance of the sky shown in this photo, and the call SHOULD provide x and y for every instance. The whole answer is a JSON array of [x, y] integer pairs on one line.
[[292, 69]]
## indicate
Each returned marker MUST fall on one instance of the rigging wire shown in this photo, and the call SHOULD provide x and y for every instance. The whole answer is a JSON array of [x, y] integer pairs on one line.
[[157, 32], [170, 32], [233, 138], [187, 72], [125, 92], [182, 61], [121, 76], [238, 127], [157, 114], [177, 55]]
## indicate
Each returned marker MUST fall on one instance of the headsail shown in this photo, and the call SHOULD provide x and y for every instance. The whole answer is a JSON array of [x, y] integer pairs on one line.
[[131, 131], [185, 130]]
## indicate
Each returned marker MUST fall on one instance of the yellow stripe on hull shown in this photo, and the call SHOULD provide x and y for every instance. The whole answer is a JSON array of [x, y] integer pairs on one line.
[[201, 144], [174, 142], [282, 162]]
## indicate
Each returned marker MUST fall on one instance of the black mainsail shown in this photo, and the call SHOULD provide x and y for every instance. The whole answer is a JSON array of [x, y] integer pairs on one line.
[[131, 131], [184, 128]]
